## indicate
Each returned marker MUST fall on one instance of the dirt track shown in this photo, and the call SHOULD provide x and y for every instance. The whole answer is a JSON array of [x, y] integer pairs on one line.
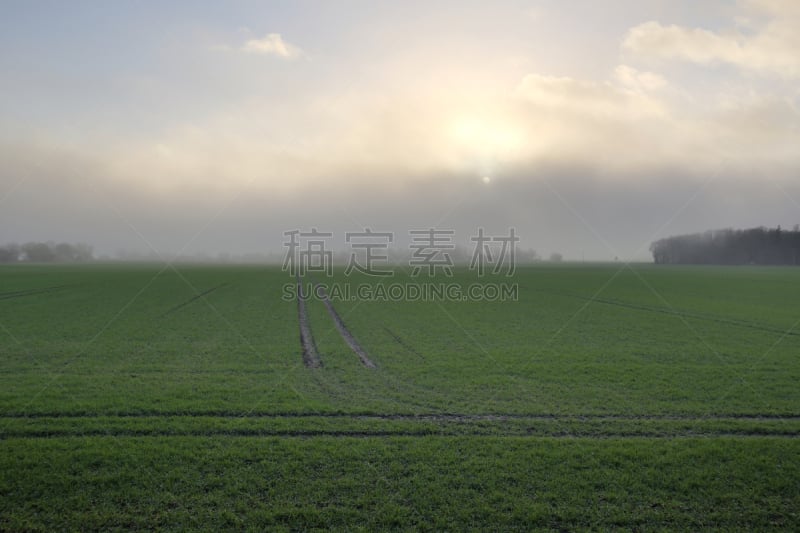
[[310, 354], [343, 331]]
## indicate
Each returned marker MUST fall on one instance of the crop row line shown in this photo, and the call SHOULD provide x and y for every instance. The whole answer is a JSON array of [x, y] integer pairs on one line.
[[534, 433], [455, 417], [681, 313], [30, 292], [192, 299]]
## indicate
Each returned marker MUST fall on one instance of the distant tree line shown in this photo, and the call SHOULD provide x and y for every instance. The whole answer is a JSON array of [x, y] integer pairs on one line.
[[46, 252], [756, 246]]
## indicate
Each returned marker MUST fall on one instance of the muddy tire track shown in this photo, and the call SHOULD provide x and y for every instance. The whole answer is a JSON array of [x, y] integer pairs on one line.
[[343, 331], [192, 299], [309, 347]]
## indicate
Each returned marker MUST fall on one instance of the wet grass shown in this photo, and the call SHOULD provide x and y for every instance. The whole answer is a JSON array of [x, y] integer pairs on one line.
[[435, 483], [604, 397]]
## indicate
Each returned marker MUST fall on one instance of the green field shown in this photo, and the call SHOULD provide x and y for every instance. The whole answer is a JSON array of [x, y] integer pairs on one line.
[[144, 396]]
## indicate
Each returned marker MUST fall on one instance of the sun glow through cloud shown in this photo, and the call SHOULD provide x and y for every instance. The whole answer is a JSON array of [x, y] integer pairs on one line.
[[265, 102], [483, 144], [486, 137]]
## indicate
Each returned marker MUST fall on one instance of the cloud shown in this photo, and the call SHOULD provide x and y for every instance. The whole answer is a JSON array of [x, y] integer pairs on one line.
[[677, 42], [766, 42], [401, 125], [398, 133], [273, 44], [595, 98], [638, 80]]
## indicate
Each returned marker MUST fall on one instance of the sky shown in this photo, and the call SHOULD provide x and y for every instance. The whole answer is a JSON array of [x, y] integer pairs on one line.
[[592, 128]]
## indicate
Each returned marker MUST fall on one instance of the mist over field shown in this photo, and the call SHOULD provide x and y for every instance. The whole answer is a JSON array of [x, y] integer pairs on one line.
[[443, 265], [137, 128]]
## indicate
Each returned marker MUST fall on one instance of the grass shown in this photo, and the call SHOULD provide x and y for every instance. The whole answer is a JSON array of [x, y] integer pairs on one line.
[[428, 482], [133, 396]]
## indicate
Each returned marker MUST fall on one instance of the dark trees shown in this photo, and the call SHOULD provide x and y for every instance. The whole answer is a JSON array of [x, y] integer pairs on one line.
[[46, 252], [757, 246]]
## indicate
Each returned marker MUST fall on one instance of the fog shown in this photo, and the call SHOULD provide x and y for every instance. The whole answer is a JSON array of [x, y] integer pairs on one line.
[[590, 135], [571, 211]]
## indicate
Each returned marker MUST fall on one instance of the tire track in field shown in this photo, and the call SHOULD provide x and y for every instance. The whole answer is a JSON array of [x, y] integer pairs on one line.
[[393, 426], [444, 416], [192, 299], [675, 312], [30, 292], [309, 347], [343, 331], [572, 433], [399, 340]]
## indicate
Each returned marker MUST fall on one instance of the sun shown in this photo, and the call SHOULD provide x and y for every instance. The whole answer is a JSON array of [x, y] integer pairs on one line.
[[486, 179], [484, 136]]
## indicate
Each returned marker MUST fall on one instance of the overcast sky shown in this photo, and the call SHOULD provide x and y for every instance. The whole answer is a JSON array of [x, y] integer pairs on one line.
[[591, 127]]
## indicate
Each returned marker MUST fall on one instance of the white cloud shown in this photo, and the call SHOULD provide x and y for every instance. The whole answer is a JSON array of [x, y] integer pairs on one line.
[[768, 43], [638, 80], [273, 44], [676, 42], [591, 97], [628, 124], [416, 116]]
